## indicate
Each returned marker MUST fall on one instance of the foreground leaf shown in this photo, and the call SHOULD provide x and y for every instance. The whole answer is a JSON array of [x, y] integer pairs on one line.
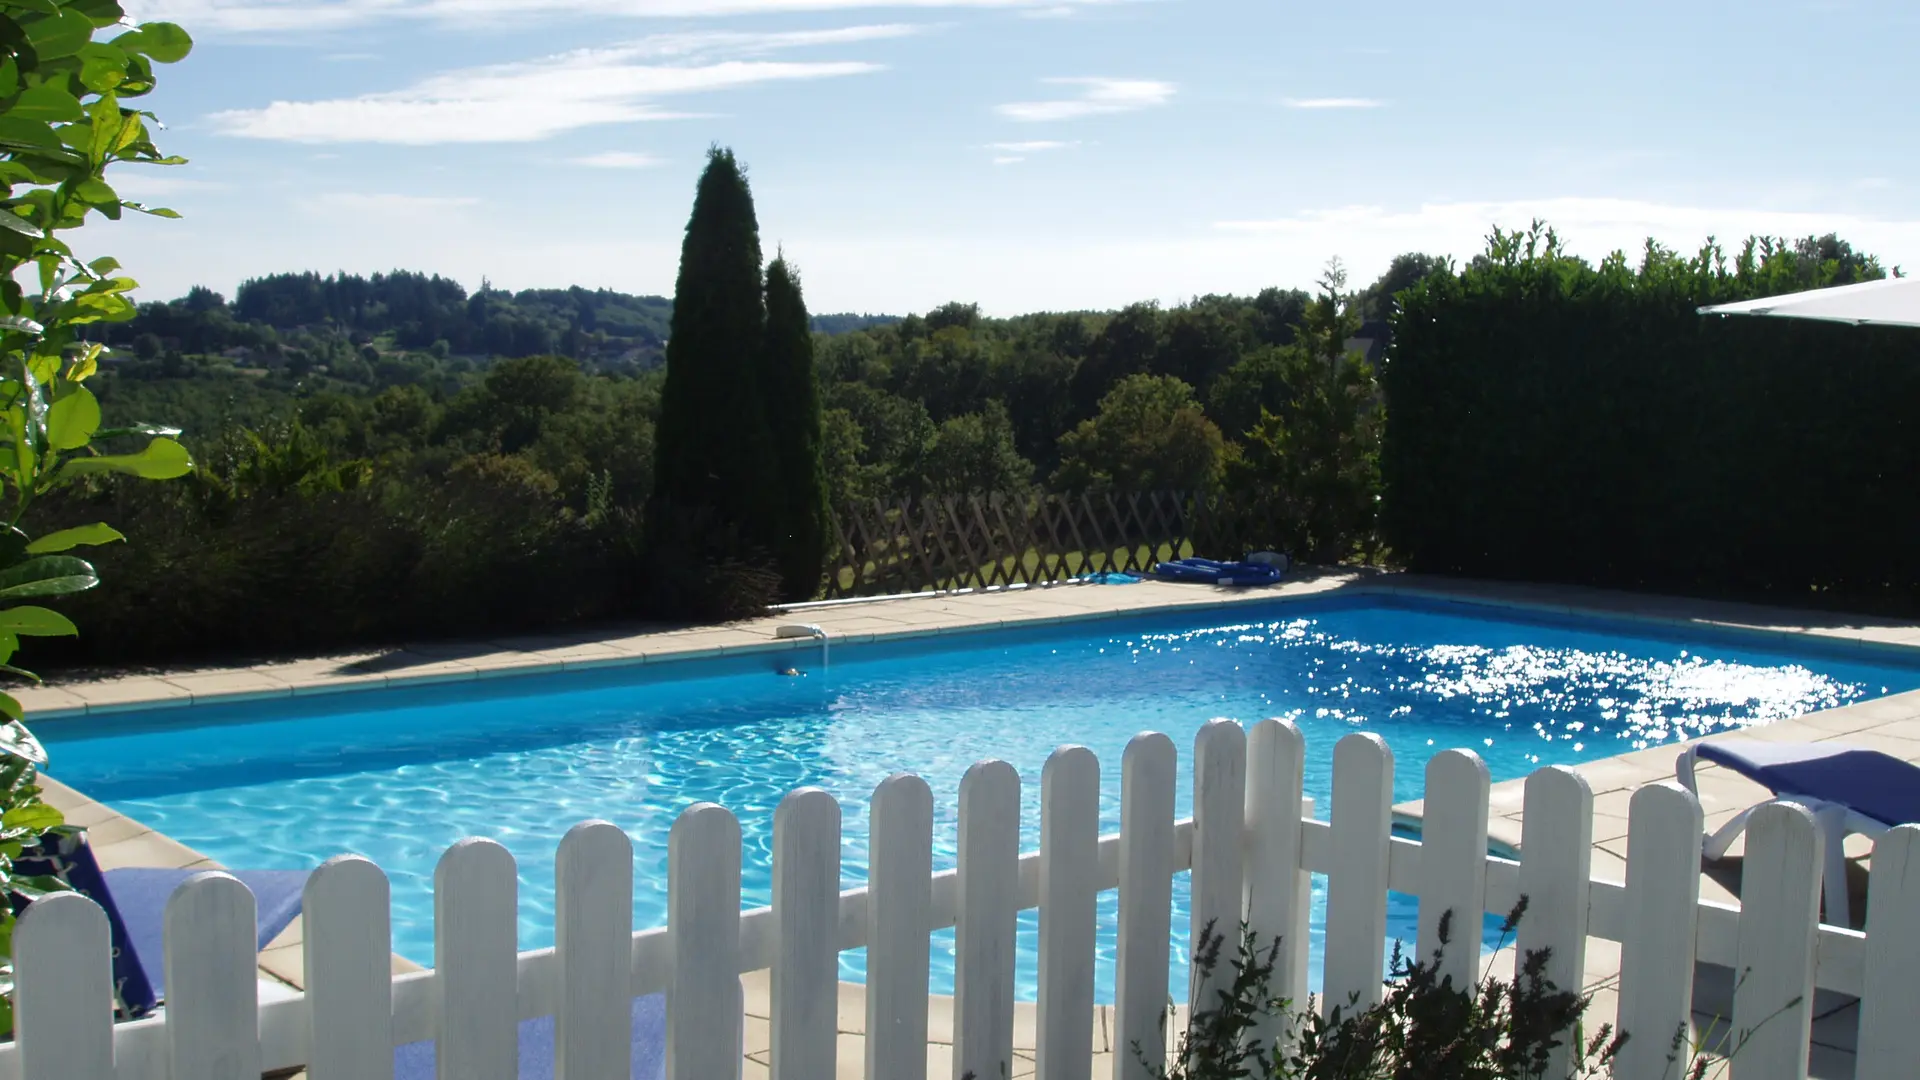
[[47, 575], [79, 536], [38, 817], [161, 459], [17, 741], [72, 419], [32, 621]]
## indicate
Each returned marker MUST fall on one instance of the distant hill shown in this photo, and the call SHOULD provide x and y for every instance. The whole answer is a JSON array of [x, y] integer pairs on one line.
[[307, 319]]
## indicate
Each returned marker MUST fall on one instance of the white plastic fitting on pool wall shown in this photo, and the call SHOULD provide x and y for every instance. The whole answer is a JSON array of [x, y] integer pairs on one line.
[[800, 630]]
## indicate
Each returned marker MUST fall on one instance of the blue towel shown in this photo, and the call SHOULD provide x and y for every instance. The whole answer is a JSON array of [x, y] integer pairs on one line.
[[415, 1061], [1875, 784], [141, 896]]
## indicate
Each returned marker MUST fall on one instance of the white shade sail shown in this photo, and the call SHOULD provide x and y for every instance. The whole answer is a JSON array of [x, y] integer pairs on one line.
[[1890, 302]]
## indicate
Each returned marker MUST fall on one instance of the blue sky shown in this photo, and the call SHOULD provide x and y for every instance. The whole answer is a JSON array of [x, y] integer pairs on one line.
[[1024, 154]]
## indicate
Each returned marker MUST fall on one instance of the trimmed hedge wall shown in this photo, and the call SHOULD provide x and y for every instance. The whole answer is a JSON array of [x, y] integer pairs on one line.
[[1554, 421]]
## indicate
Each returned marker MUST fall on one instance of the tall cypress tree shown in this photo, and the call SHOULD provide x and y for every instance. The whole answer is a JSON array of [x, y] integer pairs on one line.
[[712, 464], [799, 531]]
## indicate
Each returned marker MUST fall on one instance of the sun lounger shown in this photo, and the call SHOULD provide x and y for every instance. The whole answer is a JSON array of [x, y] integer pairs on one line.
[[135, 901], [1849, 789]]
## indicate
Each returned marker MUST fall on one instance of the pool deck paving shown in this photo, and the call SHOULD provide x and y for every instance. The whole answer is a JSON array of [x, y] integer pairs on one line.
[[1890, 724]]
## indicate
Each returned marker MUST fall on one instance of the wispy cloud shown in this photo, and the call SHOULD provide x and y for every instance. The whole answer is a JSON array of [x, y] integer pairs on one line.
[[1333, 103], [534, 99], [285, 16], [736, 44], [1010, 153], [350, 57], [1096, 97], [617, 159], [1874, 183], [365, 202]]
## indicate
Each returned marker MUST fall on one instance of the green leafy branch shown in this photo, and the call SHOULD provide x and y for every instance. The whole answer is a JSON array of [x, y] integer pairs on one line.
[[63, 123]]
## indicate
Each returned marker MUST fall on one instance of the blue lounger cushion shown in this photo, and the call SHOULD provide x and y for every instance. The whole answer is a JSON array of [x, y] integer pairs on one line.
[[135, 903], [1211, 572], [141, 896], [415, 1061], [1875, 784]]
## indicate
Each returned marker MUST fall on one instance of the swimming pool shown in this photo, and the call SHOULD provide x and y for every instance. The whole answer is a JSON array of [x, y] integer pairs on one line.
[[399, 774]]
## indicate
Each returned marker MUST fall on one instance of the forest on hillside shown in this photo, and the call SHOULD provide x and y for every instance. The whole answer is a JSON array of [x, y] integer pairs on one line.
[[295, 334]]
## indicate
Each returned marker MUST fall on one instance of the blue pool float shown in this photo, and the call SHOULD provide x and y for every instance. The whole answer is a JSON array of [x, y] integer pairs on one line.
[[1212, 572]]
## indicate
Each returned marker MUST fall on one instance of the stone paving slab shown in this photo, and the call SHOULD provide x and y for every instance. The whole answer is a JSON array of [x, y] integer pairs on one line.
[[1890, 724]]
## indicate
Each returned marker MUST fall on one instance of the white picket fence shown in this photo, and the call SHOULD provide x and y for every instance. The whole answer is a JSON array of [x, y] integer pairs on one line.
[[1250, 844]]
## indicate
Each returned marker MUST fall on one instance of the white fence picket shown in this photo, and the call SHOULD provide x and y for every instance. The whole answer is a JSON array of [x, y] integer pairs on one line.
[[1779, 921], [347, 947], [1357, 883], [63, 1009], [1219, 822], [1278, 890], [1069, 868], [1890, 998], [1146, 896], [989, 913], [1656, 958], [476, 892], [1556, 846], [899, 910], [592, 931], [213, 996], [703, 922], [1453, 863], [806, 908]]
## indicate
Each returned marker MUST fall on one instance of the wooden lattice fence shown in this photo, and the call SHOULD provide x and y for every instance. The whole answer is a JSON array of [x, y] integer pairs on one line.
[[984, 541]]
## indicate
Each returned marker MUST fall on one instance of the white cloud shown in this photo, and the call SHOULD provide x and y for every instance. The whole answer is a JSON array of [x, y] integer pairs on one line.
[[386, 202], [531, 100], [1333, 103], [1097, 97], [617, 159], [1874, 183], [1011, 153], [737, 44], [286, 16]]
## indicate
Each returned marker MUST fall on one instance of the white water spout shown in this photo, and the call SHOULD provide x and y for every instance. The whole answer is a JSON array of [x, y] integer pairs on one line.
[[800, 630]]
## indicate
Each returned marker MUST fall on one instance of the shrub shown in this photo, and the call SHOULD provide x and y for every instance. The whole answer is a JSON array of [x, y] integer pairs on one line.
[[1553, 420], [1424, 1027]]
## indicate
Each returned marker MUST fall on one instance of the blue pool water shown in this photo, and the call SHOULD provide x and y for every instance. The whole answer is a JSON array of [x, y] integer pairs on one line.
[[397, 775]]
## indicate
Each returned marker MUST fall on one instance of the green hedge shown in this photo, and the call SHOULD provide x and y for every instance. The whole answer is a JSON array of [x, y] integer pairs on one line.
[[1551, 420]]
